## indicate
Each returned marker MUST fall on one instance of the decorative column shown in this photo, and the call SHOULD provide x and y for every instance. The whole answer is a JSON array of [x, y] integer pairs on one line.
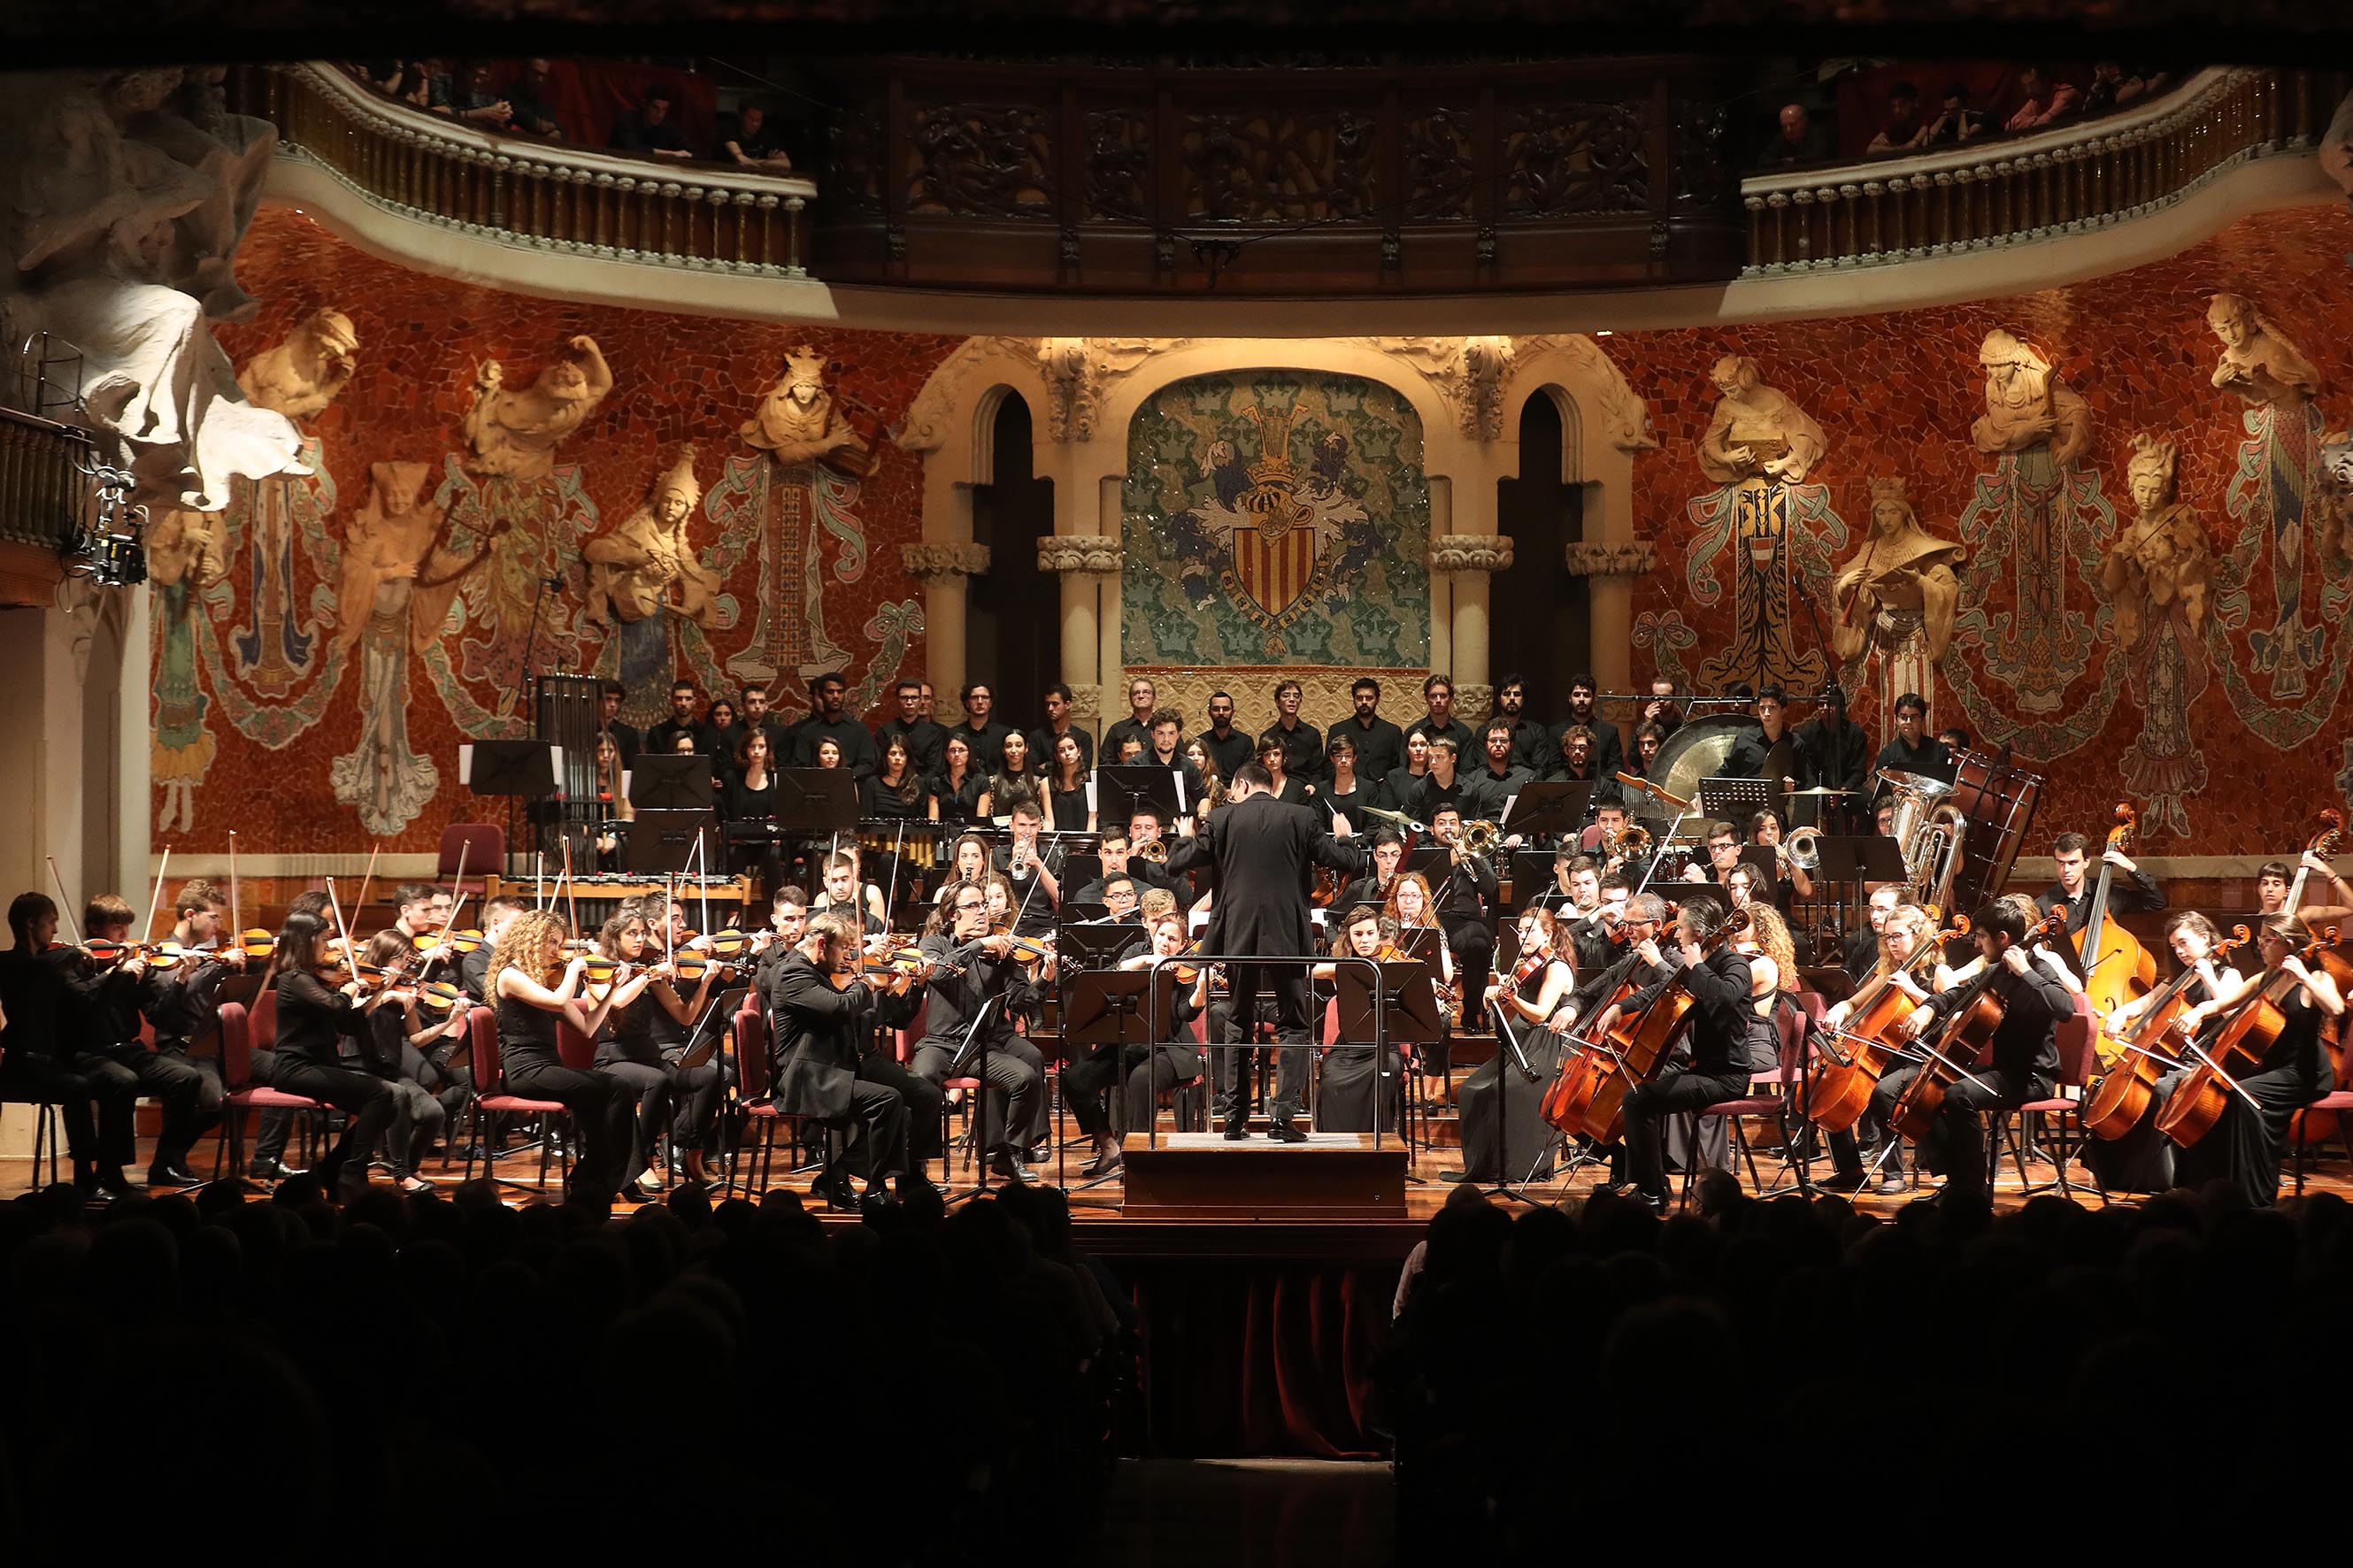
[[1469, 559], [945, 569], [1610, 568], [1083, 560]]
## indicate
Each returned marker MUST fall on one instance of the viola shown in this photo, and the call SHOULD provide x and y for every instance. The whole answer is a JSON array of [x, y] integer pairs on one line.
[[1637, 1047], [2115, 1102], [2114, 966], [2196, 1103], [439, 995], [1839, 1091], [1963, 1044], [258, 943]]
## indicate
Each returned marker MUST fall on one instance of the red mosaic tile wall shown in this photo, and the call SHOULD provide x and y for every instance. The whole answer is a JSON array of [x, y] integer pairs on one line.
[[1896, 395], [677, 379]]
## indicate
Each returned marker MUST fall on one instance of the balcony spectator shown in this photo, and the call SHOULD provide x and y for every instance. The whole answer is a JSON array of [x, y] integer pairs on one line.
[[648, 132], [479, 103], [1800, 141], [1906, 131], [2048, 102], [1958, 122], [527, 100], [753, 145]]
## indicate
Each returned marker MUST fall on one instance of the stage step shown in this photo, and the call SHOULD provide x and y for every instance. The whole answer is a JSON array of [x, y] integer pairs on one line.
[[1201, 1175]]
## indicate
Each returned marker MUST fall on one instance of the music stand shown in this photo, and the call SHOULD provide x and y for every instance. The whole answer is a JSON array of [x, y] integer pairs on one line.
[[662, 840], [519, 770], [1735, 800], [1078, 870], [817, 802], [1093, 944], [1761, 859], [671, 784], [1132, 787], [1532, 876], [1404, 1012], [1860, 858], [1099, 1008], [1426, 859], [1556, 808]]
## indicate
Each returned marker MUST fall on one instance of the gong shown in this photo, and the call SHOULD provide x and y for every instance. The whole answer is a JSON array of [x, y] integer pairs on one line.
[[1697, 750]]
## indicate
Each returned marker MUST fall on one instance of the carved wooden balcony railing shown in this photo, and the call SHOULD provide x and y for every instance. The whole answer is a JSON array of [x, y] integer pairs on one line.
[[1355, 182], [2067, 180], [45, 484], [540, 194]]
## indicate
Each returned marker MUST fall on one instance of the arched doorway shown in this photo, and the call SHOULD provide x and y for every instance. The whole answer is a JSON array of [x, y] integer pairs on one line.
[[1541, 625], [1013, 630]]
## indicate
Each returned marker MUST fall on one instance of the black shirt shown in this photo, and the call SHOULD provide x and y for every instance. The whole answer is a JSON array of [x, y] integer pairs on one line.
[[625, 741], [2025, 1043], [1608, 751], [1043, 739], [661, 738], [1727, 1035], [959, 803], [878, 799], [1929, 759], [857, 743], [740, 801], [1466, 744], [1380, 746], [1121, 732], [632, 135], [988, 743], [313, 1020], [1529, 737], [1229, 751], [1486, 792], [2134, 893], [1753, 752], [923, 739], [1303, 749], [1835, 759]]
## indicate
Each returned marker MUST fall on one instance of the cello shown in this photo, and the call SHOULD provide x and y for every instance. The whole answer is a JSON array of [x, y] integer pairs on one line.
[[1840, 1093], [2114, 1101], [2196, 1106], [1967, 1035], [1571, 1091], [1636, 1049], [2114, 966]]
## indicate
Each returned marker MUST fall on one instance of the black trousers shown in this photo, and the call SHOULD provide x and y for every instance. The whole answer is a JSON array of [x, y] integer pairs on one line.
[[1015, 1072], [75, 1083], [878, 1114], [1648, 1106], [923, 1101], [417, 1120], [176, 1138], [1955, 1144], [1289, 983], [367, 1102], [1473, 946], [269, 1141], [601, 1106], [1223, 1057]]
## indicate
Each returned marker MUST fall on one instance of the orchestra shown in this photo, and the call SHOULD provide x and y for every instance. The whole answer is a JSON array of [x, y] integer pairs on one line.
[[1665, 955]]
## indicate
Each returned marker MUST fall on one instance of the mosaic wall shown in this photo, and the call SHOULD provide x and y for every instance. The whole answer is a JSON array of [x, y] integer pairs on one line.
[[1274, 517], [2205, 686], [324, 645]]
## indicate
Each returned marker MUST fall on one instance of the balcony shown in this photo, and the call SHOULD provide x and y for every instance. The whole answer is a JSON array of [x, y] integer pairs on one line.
[[46, 500]]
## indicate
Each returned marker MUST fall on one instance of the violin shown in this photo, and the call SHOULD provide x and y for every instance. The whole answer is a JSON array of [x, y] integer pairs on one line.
[[458, 944], [1840, 1091], [2114, 1101], [258, 943], [107, 953], [1962, 1046], [439, 995], [2196, 1105], [1027, 949]]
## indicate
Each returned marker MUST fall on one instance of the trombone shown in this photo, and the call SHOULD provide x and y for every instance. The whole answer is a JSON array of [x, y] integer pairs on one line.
[[1480, 837]]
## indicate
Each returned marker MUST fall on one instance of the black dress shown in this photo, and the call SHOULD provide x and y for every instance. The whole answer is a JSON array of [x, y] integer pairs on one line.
[[313, 1020], [958, 803], [599, 1103], [2244, 1147], [1505, 1138], [1352, 1088], [879, 800], [1069, 808]]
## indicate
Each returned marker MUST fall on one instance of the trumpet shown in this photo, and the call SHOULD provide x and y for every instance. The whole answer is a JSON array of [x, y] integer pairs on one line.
[[1480, 837], [1152, 852], [1802, 849]]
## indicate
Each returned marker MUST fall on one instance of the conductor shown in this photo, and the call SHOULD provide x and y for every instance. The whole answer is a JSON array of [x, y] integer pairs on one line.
[[1263, 848]]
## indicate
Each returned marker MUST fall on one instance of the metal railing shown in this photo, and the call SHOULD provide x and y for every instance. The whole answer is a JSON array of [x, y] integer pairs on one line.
[[2086, 176], [542, 196]]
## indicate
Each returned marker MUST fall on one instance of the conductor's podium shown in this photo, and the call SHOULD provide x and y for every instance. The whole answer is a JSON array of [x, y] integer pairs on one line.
[[1199, 1175]]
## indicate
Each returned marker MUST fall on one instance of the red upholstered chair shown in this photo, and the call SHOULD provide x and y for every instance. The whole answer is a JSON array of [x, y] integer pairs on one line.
[[761, 1113], [241, 1095], [2339, 1103], [2076, 1037], [484, 845], [490, 1099]]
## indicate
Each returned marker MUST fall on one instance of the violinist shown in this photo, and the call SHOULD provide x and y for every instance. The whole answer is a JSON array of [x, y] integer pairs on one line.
[[644, 1045], [1142, 1069], [1375, 885], [2243, 1148], [1410, 908], [1729, 1039], [844, 893], [1353, 1086], [48, 1057], [535, 987], [318, 1009], [183, 1003], [1522, 1001], [111, 997], [422, 909], [2138, 894], [474, 968], [815, 1032], [973, 984], [2025, 1048], [1904, 933], [402, 1032]]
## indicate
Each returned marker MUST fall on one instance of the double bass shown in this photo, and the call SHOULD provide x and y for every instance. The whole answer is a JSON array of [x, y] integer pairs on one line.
[[2114, 966], [1839, 1092], [2196, 1106], [1636, 1049], [2114, 1101], [1963, 1044]]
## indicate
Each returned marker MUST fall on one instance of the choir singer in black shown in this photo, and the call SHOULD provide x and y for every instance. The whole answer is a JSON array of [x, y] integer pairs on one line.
[[1263, 848]]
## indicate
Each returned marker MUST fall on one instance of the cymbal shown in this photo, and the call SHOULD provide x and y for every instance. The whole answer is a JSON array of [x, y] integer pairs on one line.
[[1820, 790]]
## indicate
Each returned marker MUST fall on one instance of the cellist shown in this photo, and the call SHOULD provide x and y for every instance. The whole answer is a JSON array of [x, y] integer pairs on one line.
[[2142, 1161], [1727, 1038], [1637, 923], [2243, 1148], [1905, 930], [2025, 1048]]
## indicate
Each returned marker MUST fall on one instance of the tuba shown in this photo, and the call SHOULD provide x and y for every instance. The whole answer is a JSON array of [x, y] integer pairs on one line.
[[1931, 833]]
